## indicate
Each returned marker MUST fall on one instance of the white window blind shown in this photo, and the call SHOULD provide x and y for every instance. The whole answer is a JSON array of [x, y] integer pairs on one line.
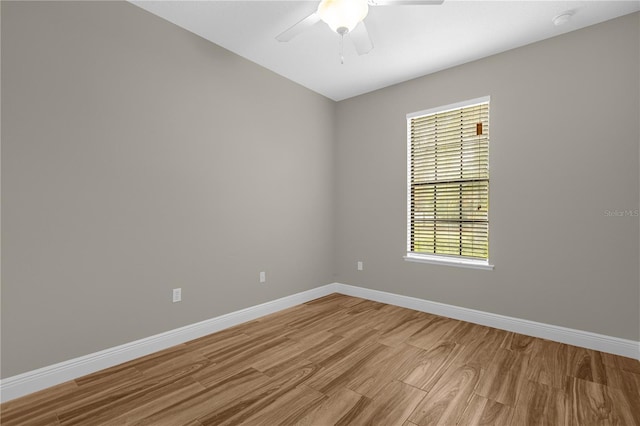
[[448, 182]]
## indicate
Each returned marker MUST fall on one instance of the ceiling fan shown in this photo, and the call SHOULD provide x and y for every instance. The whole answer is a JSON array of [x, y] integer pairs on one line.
[[346, 17]]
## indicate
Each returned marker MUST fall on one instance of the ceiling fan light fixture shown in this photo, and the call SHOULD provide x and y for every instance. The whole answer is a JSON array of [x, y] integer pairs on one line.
[[342, 16]]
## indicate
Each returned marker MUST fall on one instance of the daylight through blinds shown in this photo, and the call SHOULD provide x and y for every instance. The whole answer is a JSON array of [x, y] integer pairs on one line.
[[449, 182]]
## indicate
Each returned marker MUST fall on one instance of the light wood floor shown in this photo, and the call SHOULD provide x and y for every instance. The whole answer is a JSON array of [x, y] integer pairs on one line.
[[348, 361]]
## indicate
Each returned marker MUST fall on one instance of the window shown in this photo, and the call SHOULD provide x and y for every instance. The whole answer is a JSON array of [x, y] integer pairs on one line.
[[448, 184]]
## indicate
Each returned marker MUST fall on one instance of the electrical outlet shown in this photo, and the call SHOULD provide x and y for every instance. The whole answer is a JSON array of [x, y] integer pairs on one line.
[[360, 265], [177, 295], [263, 277]]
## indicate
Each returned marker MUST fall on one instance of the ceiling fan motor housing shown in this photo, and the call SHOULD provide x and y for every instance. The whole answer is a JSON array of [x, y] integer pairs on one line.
[[342, 16]]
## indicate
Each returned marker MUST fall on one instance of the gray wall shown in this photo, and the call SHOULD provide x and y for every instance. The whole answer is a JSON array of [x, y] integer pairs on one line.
[[137, 157], [564, 149]]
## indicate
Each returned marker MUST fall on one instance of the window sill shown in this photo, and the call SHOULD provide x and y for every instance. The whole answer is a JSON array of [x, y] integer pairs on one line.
[[450, 261]]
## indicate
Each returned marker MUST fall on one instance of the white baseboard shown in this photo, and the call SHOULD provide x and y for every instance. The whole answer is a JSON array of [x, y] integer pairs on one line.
[[32, 381], [42, 378], [585, 339]]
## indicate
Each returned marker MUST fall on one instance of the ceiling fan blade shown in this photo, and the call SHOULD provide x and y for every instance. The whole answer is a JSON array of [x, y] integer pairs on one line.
[[405, 2], [298, 28], [361, 40]]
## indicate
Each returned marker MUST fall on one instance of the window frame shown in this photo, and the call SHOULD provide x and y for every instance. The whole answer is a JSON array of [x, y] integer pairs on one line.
[[440, 259]]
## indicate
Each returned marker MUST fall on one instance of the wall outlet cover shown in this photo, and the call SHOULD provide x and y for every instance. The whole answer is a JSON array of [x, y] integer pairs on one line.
[[177, 294]]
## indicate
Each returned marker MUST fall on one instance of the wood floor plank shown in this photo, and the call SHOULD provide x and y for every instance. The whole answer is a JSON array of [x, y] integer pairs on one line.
[[431, 365], [628, 364], [115, 403], [590, 403], [465, 333], [119, 375], [236, 346], [339, 373], [349, 301], [548, 365], [482, 350], [287, 409], [586, 364], [37, 408], [622, 363], [133, 407], [483, 411], [224, 346], [247, 405], [343, 348], [504, 378], [540, 404], [365, 307], [309, 338], [405, 327], [520, 343], [351, 327], [26, 418], [186, 364], [394, 363], [446, 402], [225, 392], [275, 356], [94, 390], [348, 418], [391, 407], [317, 320], [358, 319], [331, 409], [392, 316], [317, 350], [342, 360], [239, 358], [432, 332], [630, 386]]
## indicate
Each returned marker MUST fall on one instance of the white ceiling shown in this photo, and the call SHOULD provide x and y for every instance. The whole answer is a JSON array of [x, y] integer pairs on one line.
[[409, 41]]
